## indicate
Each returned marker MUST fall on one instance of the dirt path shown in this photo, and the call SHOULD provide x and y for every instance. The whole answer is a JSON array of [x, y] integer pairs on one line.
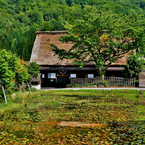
[[72, 124], [80, 124]]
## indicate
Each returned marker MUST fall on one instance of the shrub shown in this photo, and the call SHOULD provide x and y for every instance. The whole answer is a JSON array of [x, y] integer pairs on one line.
[[87, 84], [105, 83], [33, 89], [133, 67], [74, 85]]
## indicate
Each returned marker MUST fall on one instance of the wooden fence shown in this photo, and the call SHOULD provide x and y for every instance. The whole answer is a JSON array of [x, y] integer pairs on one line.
[[107, 81]]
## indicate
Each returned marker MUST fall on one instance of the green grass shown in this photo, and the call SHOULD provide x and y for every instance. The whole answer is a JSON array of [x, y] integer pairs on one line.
[[33, 118], [143, 94]]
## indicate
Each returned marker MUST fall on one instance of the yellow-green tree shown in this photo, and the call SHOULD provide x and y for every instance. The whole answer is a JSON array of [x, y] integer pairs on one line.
[[21, 73]]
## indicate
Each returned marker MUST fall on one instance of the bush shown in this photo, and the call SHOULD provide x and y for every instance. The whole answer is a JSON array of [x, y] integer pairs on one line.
[[87, 84], [74, 85], [105, 83], [133, 67], [33, 89], [70, 85]]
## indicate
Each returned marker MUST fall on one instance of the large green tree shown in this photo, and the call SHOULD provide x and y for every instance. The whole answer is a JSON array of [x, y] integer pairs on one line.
[[101, 37], [13, 72], [7, 74]]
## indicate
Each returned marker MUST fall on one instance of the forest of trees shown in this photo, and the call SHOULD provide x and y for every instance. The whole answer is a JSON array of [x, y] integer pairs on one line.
[[19, 19]]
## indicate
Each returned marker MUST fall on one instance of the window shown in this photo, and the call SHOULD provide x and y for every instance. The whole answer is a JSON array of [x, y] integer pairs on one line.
[[51, 75], [73, 75], [43, 75], [90, 75]]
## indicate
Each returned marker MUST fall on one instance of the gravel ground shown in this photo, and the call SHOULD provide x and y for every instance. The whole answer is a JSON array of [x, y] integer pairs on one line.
[[125, 88]]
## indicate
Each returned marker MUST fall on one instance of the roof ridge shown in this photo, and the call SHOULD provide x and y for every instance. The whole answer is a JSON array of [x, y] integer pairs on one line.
[[50, 32]]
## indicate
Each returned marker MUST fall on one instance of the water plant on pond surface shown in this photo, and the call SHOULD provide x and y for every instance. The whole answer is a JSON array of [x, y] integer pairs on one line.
[[37, 120]]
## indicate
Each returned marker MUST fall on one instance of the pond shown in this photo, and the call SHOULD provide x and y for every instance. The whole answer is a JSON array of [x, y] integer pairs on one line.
[[76, 117]]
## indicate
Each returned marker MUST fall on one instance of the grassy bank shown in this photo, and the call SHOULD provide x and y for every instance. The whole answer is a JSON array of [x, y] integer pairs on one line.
[[34, 118]]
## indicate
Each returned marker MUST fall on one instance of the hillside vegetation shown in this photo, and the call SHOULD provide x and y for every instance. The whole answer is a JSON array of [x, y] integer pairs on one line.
[[19, 19]]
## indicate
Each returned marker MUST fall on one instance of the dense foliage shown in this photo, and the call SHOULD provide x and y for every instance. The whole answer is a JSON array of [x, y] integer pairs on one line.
[[33, 70], [14, 72], [133, 67], [19, 19], [55, 117]]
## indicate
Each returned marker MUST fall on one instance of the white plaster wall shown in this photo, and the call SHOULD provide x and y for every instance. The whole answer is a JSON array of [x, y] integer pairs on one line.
[[38, 87]]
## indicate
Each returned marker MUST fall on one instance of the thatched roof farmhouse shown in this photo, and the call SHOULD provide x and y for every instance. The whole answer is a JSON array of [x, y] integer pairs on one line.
[[54, 70]]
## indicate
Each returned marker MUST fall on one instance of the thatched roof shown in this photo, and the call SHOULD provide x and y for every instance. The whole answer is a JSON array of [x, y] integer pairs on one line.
[[43, 54]]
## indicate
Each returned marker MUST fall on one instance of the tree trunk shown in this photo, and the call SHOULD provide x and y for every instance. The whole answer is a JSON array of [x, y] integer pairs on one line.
[[101, 74], [19, 88], [28, 86], [4, 94]]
